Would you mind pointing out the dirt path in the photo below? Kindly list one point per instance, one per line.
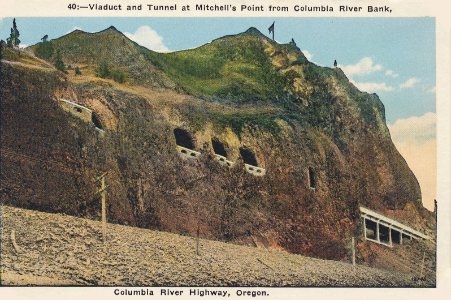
(51, 249)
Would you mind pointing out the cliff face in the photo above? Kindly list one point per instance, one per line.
(324, 144)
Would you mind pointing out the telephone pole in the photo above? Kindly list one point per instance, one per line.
(102, 191)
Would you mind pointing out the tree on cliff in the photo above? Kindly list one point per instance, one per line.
(103, 71)
(13, 40)
(59, 64)
(44, 50)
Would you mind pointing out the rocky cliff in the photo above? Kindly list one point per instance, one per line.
(322, 143)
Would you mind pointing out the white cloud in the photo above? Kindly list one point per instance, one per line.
(373, 87)
(409, 83)
(308, 55)
(149, 38)
(391, 73)
(365, 66)
(23, 46)
(73, 29)
(414, 128)
(415, 139)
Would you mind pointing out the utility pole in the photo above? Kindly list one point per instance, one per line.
(102, 191)
(197, 235)
(422, 265)
(353, 251)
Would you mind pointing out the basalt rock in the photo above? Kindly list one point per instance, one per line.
(324, 144)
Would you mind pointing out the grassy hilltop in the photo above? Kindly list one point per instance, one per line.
(243, 91)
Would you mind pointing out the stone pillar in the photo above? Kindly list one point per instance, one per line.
(400, 237)
(377, 232)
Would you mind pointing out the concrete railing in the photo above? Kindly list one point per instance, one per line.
(187, 153)
(257, 171)
(392, 227)
(79, 111)
(223, 160)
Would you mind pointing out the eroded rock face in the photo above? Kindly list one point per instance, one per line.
(325, 128)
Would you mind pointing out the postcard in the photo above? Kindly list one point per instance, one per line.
(185, 149)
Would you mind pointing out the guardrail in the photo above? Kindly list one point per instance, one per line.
(187, 153)
(391, 227)
(223, 160)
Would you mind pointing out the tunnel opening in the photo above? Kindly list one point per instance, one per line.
(248, 157)
(371, 229)
(384, 234)
(311, 178)
(405, 237)
(396, 237)
(218, 147)
(183, 138)
(96, 121)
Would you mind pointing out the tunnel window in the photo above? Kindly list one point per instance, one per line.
(183, 138)
(396, 236)
(371, 229)
(248, 156)
(96, 121)
(311, 178)
(384, 234)
(218, 147)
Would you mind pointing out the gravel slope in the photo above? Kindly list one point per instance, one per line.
(50, 249)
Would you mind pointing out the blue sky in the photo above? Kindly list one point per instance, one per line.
(406, 46)
(393, 57)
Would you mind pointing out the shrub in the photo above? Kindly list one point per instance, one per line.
(44, 50)
(118, 76)
(103, 71)
(59, 64)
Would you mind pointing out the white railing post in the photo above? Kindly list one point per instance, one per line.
(364, 227)
(389, 236)
(377, 232)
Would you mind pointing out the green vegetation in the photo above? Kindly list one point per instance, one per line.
(232, 68)
(263, 119)
(59, 64)
(118, 76)
(77, 71)
(247, 69)
(13, 40)
(103, 71)
(44, 50)
(111, 46)
(239, 120)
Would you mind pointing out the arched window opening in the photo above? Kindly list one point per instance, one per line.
(183, 138)
(311, 178)
(218, 147)
(96, 121)
(248, 156)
